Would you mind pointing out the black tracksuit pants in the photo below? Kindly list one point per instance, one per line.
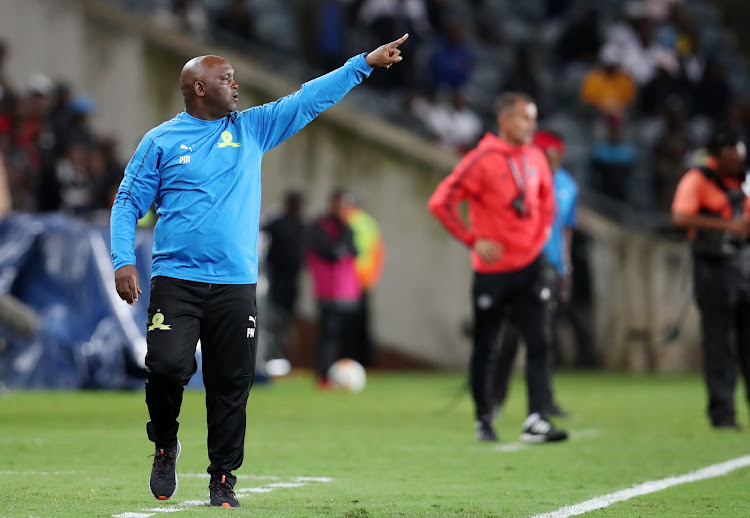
(223, 317)
(494, 295)
(723, 298)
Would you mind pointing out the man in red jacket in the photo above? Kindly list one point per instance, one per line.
(508, 186)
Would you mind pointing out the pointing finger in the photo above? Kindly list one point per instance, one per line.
(399, 41)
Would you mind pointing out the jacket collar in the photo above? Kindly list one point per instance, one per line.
(492, 142)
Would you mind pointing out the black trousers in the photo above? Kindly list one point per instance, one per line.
(333, 320)
(522, 295)
(505, 351)
(358, 342)
(723, 299)
(223, 317)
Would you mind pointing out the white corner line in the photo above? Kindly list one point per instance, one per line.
(652, 486)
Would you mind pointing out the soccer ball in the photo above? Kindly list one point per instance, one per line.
(347, 374)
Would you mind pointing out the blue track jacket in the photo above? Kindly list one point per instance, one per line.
(204, 178)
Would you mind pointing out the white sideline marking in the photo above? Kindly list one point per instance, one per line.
(286, 484)
(652, 486)
(255, 477)
(312, 479)
(253, 490)
(184, 506)
(518, 445)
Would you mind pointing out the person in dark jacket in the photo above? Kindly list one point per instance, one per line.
(284, 260)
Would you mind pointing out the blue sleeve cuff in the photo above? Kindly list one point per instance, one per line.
(360, 64)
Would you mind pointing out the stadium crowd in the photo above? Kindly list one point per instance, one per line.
(634, 88)
(50, 157)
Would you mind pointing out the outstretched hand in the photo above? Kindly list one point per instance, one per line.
(386, 55)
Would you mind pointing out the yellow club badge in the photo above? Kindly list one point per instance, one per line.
(227, 140)
(157, 322)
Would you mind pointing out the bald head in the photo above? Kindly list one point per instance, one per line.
(208, 86)
(196, 70)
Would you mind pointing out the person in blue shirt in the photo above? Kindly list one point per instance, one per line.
(201, 170)
(557, 283)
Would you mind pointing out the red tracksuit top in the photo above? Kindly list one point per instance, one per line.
(485, 179)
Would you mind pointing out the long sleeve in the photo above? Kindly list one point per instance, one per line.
(443, 204)
(279, 120)
(547, 198)
(134, 198)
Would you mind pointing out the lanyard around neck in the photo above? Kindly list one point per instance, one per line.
(518, 176)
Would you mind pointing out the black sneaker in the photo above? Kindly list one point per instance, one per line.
(556, 410)
(537, 429)
(222, 493)
(485, 432)
(727, 425)
(163, 481)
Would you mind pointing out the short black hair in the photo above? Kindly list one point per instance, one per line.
(721, 138)
(508, 100)
(292, 196)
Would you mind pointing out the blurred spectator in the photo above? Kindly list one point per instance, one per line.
(369, 265)
(579, 44)
(713, 95)
(556, 8)
(389, 19)
(22, 186)
(7, 103)
(60, 116)
(607, 87)
(323, 27)
(454, 125)
(78, 127)
(661, 87)
(437, 15)
(76, 188)
(105, 172)
(386, 20)
(284, 261)
(451, 60)
(634, 44)
(612, 162)
(184, 15)
(524, 75)
(331, 257)
(32, 121)
(671, 153)
(235, 22)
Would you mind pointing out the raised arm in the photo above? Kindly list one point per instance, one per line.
(275, 122)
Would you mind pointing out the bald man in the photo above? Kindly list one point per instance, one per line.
(202, 171)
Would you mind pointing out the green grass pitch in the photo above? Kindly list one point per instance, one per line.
(404, 447)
